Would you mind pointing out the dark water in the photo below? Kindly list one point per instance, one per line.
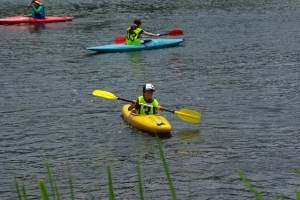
(238, 66)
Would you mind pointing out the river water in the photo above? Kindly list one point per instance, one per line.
(238, 66)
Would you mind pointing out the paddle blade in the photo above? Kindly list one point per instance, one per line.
(120, 40)
(175, 32)
(104, 94)
(188, 115)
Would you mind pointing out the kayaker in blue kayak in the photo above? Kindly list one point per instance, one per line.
(133, 34)
(147, 98)
(38, 10)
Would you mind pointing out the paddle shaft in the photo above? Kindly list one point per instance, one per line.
(25, 12)
(184, 114)
(171, 33)
(124, 100)
(118, 98)
(145, 105)
(138, 103)
(29, 6)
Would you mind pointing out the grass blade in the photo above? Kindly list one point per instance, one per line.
(256, 193)
(43, 190)
(297, 195)
(24, 190)
(110, 183)
(50, 178)
(91, 196)
(296, 191)
(166, 167)
(56, 189)
(70, 182)
(17, 187)
(140, 182)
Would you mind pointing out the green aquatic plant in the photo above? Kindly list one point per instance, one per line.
(51, 179)
(43, 190)
(276, 198)
(257, 194)
(70, 183)
(42, 187)
(110, 183)
(140, 182)
(296, 191)
(55, 192)
(17, 187)
(166, 167)
(24, 190)
(24, 194)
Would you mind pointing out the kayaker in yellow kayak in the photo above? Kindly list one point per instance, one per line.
(147, 98)
(134, 32)
(38, 10)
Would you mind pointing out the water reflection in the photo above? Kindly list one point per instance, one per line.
(189, 136)
(134, 59)
(37, 28)
(31, 28)
(162, 136)
(175, 64)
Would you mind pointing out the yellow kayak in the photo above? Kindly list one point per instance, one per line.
(149, 123)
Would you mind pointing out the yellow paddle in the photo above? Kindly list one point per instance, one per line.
(184, 114)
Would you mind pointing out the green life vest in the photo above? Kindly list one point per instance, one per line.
(144, 110)
(133, 39)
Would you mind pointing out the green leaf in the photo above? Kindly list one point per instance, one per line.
(110, 183)
(43, 190)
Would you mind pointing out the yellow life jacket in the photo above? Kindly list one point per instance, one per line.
(145, 110)
(133, 39)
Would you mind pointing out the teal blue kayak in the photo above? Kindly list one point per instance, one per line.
(149, 44)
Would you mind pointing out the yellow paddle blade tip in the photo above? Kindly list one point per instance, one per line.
(104, 94)
(189, 115)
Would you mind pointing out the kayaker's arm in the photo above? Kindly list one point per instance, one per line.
(151, 34)
(132, 105)
(159, 108)
(39, 10)
(136, 105)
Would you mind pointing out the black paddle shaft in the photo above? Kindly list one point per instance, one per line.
(124, 100)
(131, 102)
(169, 110)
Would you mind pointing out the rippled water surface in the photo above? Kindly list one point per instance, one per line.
(238, 66)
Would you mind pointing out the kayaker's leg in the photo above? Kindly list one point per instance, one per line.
(145, 41)
(133, 111)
